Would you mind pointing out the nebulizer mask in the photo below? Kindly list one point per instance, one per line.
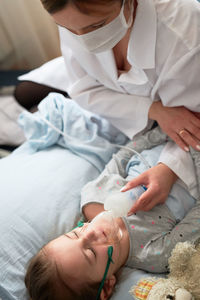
(103, 229)
(108, 36)
(106, 228)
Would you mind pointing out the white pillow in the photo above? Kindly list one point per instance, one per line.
(36, 205)
(10, 132)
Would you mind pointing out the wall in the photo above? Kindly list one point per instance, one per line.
(28, 35)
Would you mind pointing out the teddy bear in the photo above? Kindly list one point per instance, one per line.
(183, 281)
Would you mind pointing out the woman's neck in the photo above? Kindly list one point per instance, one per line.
(120, 50)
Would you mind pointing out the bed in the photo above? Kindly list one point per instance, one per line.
(40, 185)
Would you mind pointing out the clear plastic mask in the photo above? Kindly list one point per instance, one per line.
(106, 226)
(104, 229)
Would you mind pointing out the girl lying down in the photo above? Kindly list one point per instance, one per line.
(84, 263)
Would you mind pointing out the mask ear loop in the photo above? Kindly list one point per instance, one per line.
(110, 252)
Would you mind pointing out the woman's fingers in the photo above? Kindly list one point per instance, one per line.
(146, 200)
(179, 141)
(189, 139)
(139, 180)
(196, 119)
(141, 205)
(197, 114)
(184, 139)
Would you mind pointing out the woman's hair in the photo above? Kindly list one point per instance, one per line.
(43, 282)
(53, 6)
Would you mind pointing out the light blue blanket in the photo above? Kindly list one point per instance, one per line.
(86, 134)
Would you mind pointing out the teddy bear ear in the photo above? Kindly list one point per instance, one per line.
(143, 287)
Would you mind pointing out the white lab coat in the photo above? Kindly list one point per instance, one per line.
(164, 52)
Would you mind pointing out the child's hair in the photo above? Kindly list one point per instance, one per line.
(43, 282)
(53, 6)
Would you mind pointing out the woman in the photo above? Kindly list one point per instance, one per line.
(78, 18)
(134, 63)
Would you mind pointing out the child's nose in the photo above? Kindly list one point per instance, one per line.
(90, 235)
(94, 236)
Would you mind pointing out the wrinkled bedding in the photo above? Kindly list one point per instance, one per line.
(40, 185)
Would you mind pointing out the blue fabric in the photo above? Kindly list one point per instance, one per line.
(88, 135)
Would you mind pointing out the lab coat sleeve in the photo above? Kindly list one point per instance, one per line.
(180, 85)
(128, 113)
(181, 163)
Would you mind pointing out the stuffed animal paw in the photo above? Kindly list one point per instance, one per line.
(183, 282)
(159, 289)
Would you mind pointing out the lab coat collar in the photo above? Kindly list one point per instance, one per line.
(142, 43)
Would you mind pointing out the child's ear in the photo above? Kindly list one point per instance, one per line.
(108, 288)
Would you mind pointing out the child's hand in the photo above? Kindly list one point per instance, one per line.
(159, 181)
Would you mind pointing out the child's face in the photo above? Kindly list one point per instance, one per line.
(81, 255)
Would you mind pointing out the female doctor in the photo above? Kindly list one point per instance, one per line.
(135, 62)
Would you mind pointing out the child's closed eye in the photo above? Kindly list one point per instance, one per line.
(75, 233)
(93, 252)
(89, 248)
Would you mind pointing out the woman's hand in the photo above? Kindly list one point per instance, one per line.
(158, 180)
(179, 123)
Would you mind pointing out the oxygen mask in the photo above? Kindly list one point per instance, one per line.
(103, 229)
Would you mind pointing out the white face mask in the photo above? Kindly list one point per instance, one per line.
(108, 36)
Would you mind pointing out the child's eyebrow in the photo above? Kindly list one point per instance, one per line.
(87, 258)
(68, 236)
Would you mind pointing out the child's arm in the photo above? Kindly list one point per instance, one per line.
(159, 179)
(111, 179)
(186, 230)
(155, 194)
(113, 176)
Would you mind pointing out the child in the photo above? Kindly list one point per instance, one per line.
(73, 265)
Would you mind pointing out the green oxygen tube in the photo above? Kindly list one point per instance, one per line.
(110, 252)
